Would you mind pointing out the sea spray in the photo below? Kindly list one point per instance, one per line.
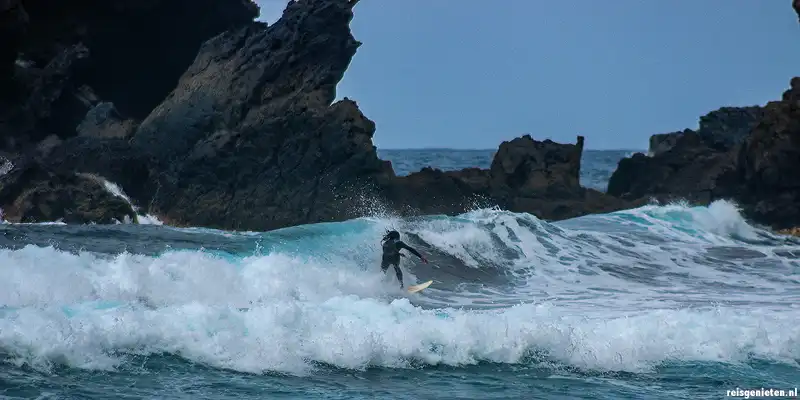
(508, 289)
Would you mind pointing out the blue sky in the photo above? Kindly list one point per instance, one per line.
(470, 74)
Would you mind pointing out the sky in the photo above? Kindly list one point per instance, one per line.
(469, 74)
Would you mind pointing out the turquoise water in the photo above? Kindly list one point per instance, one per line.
(657, 302)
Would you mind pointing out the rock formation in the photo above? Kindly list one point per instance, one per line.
(719, 130)
(768, 160)
(743, 154)
(60, 59)
(249, 136)
(66, 67)
(31, 193)
(747, 154)
(526, 175)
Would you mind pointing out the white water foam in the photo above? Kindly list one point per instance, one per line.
(286, 312)
(114, 189)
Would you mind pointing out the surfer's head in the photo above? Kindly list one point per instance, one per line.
(391, 235)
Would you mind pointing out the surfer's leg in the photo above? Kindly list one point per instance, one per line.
(399, 274)
(384, 266)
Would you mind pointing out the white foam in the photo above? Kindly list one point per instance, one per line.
(303, 310)
(114, 189)
(320, 298)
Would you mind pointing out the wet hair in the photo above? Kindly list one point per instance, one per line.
(391, 235)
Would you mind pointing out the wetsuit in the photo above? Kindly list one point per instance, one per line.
(391, 256)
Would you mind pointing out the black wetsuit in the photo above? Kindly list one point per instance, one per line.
(391, 256)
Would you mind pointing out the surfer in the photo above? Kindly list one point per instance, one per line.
(391, 253)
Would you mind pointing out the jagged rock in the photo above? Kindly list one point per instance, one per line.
(727, 127)
(60, 59)
(538, 177)
(663, 142)
(690, 170)
(720, 161)
(104, 121)
(113, 158)
(720, 130)
(524, 166)
(769, 161)
(13, 21)
(251, 139)
(543, 178)
(746, 154)
(433, 191)
(32, 193)
(53, 102)
(796, 6)
(139, 49)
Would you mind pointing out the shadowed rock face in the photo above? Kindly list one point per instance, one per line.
(538, 177)
(250, 138)
(67, 69)
(31, 193)
(138, 48)
(690, 170)
(747, 154)
(720, 130)
(796, 6)
(744, 154)
(60, 59)
(768, 163)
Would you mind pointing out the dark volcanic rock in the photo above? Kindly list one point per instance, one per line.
(541, 178)
(139, 49)
(58, 60)
(698, 166)
(729, 126)
(32, 193)
(663, 142)
(13, 21)
(743, 154)
(251, 138)
(53, 105)
(690, 170)
(769, 161)
(720, 130)
(104, 121)
(524, 166)
(796, 5)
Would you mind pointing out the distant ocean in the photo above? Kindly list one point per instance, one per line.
(659, 302)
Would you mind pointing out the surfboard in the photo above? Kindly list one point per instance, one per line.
(417, 288)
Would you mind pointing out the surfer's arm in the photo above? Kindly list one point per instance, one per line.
(402, 245)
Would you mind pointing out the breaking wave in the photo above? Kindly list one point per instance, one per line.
(625, 291)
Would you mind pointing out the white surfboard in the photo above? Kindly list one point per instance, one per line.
(417, 288)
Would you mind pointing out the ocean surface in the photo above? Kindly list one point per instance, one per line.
(660, 302)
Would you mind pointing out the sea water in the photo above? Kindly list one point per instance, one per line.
(659, 302)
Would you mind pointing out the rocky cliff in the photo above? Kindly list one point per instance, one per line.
(744, 154)
(747, 154)
(244, 133)
(767, 163)
(62, 58)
